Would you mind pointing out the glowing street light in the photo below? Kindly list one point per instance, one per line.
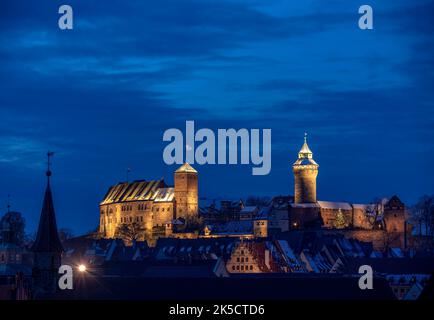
(82, 268)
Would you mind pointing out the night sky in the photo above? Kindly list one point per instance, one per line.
(100, 96)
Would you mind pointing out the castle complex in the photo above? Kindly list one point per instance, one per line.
(152, 205)
(154, 208)
(385, 219)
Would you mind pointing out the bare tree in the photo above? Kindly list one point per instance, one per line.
(129, 232)
(423, 213)
(13, 224)
(375, 212)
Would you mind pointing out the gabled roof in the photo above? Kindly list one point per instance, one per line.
(133, 191)
(47, 239)
(164, 195)
(186, 168)
(334, 205)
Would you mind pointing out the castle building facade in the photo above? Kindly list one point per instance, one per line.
(150, 205)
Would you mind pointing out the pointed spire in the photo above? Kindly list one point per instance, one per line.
(305, 151)
(305, 155)
(47, 238)
(186, 167)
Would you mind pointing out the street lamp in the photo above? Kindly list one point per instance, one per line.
(82, 268)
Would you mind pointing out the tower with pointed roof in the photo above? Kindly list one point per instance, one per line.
(305, 171)
(47, 247)
(186, 191)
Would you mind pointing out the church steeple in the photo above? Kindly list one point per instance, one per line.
(47, 238)
(47, 247)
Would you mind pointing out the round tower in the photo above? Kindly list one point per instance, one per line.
(305, 172)
(186, 191)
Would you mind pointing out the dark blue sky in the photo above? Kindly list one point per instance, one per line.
(101, 96)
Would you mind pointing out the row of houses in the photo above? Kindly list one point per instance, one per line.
(302, 254)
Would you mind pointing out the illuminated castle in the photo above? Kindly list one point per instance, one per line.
(151, 206)
(386, 216)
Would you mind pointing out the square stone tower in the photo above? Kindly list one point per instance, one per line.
(186, 192)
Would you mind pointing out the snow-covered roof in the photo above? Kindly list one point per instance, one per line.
(334, 205)
(249, 209)
(140, 190)
(164, 194)
(361, 206)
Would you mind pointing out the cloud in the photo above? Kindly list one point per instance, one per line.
(101, 95)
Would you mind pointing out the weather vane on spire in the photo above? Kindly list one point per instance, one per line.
(49, 155)
(305, 136)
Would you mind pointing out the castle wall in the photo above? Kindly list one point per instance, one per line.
(147, 214)
(331, 220)
(377, 237)
(300, 217)
(278, 219)
(360, 220)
